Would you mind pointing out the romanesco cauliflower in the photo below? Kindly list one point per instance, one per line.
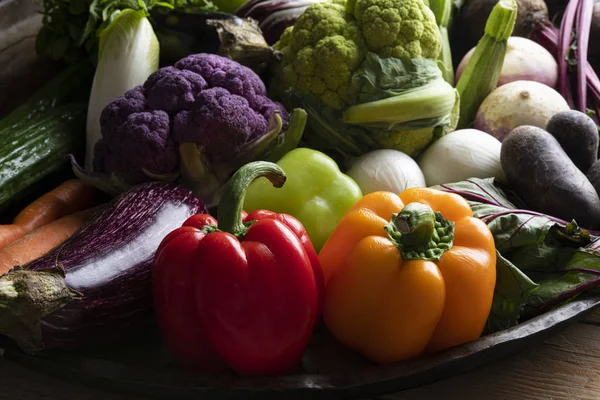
(330, 41)
(366, 72)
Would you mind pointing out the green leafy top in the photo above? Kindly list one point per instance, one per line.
(71, 28)
(542, 261)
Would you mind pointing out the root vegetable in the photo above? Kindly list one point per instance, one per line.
(540, 171)
(525, 60)
(518, 103)
(578, 136)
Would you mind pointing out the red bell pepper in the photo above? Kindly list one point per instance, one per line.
(244, 292)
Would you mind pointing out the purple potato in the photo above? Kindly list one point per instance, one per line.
(540, 171)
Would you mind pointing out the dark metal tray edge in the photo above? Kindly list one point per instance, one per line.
(367, 382)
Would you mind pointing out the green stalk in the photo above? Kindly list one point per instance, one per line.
(420, 233)
(291, 139)
(482, 72)
(442, 9)
(430, 101)
(232, 201)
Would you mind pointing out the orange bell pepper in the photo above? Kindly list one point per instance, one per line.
(407, 274)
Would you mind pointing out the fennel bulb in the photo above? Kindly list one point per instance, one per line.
(128, 53)
(460, 155)
(388, 170)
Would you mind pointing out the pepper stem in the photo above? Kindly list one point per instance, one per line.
(232, 201)
(420, 233)
(416, 223)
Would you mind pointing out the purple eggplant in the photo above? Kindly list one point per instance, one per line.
(96, 285)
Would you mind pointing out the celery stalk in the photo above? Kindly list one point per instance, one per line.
(442, 9)
(481, 74)
(431, 101)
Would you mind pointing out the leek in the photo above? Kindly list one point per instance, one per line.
(128, 53)
(482, 72)
(442, 9)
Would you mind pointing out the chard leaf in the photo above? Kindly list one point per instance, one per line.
(579, 275)
(512, 227)
(542, 261)
(511, 293)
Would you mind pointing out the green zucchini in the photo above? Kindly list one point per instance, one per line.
(71, 85)
(31, 153)
(37, 137)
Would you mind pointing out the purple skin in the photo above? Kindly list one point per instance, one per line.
(274, 16)
(204, 98)
(481, 123)
(109, 262)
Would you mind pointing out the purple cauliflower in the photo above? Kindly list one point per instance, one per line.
(209, 100)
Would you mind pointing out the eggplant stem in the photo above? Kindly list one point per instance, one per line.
(26, 296)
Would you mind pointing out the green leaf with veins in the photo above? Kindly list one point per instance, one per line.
(542, 261)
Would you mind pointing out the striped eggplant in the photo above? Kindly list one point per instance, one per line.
(96, 285)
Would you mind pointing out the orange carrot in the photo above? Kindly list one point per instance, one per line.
(10, 233)
(69, 197)
(42, 240)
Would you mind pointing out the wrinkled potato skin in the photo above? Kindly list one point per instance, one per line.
(540, 171)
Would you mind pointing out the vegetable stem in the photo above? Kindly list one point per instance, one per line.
(292, 136)
(550, 38)
(420, 233)
(483, 69)
(564, 47)
(26, 296)
(584, 22)
(416, 223)
(442, 9)
(232, 201)
(260, 146)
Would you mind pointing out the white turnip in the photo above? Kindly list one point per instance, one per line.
(525, 60)
(518, 103)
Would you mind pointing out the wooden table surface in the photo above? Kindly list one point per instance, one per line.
(564, 367)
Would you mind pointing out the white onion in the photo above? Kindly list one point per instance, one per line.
(460, 155)
(386, 170)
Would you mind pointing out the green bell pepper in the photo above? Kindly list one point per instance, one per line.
(316, 192)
